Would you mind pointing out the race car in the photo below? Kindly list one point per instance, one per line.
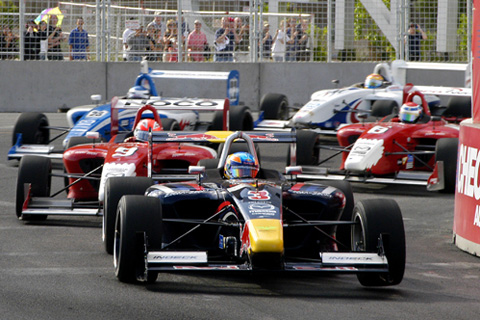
(380, 95)
(31, 133)
(412, 147)
(237, 216)
(88, 167)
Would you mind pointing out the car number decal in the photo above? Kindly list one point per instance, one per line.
(258, 195)
(124, 152)
(378, 130)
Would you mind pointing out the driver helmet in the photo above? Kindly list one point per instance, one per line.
(373, 81)
(241, 165)
(410, 112)
(138, 92)
(144, 126)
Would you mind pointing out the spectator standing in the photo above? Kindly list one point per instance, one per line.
(126, 33)
(301, 41)
(55, 39)
(152, 49)
(242, 40)
(290, 48)
(279, 43)
(137, 45)
(414, 35)
(267, 41)
(78, 42)
(43, 35)
(225, 40)
(170, 42)
(196, 42)
(159, 31)
(31, 41)
(8, 43)
(157, 24)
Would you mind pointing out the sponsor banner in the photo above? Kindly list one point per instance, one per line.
(466, 223)
(177, 257)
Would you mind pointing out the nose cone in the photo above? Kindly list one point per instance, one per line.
(364, 154)
(266, 236)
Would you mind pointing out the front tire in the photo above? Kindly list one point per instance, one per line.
(241, 119)
(115, 188)
(137, 217)
(374, 218)
(36, 171)
(274, 106)
(33, 127)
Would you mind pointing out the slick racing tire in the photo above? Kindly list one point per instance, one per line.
(36, 171)
(115, 188)
(241, 119)
(458, 106)
(375, 218)
(170, 124)
(138, 218)
(274, 106)
(33, 127)
(383, 108)
(446, 150)
(307, 151)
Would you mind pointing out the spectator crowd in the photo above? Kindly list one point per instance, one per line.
(161, 41)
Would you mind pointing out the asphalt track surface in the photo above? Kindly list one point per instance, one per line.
(58, 269)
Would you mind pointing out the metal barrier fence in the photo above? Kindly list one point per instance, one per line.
(240, 31)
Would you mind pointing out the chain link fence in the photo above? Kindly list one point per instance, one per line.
(237, 31)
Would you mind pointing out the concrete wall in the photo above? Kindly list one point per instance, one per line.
(46, 86)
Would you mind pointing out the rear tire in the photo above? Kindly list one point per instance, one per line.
(446, 150)
(307, 152)
(136, 216)
(32, 126)
(115, 188)
(375, 217)
(241, 119)
(274, 106)
(35, 170)
(170, 124)
(383, 108)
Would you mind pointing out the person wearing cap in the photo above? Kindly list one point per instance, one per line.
(225, 40)
(196, 42)
(414, 35)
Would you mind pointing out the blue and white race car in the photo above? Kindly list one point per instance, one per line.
(382, 93)
(31, 134)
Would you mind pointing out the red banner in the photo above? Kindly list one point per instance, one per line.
(466, 223)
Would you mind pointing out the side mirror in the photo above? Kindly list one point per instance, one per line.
(93, 135)
(293, 170)
(96, 98)
(196, 169)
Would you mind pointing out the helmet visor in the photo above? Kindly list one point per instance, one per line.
(243, 171)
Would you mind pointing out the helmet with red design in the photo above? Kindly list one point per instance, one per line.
(241, 165)
(144, 126)
(410, 112)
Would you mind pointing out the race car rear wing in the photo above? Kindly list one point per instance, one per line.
(198, 105)
(232, 79)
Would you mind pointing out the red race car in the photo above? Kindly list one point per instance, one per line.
(412, 147)
(88, 168)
